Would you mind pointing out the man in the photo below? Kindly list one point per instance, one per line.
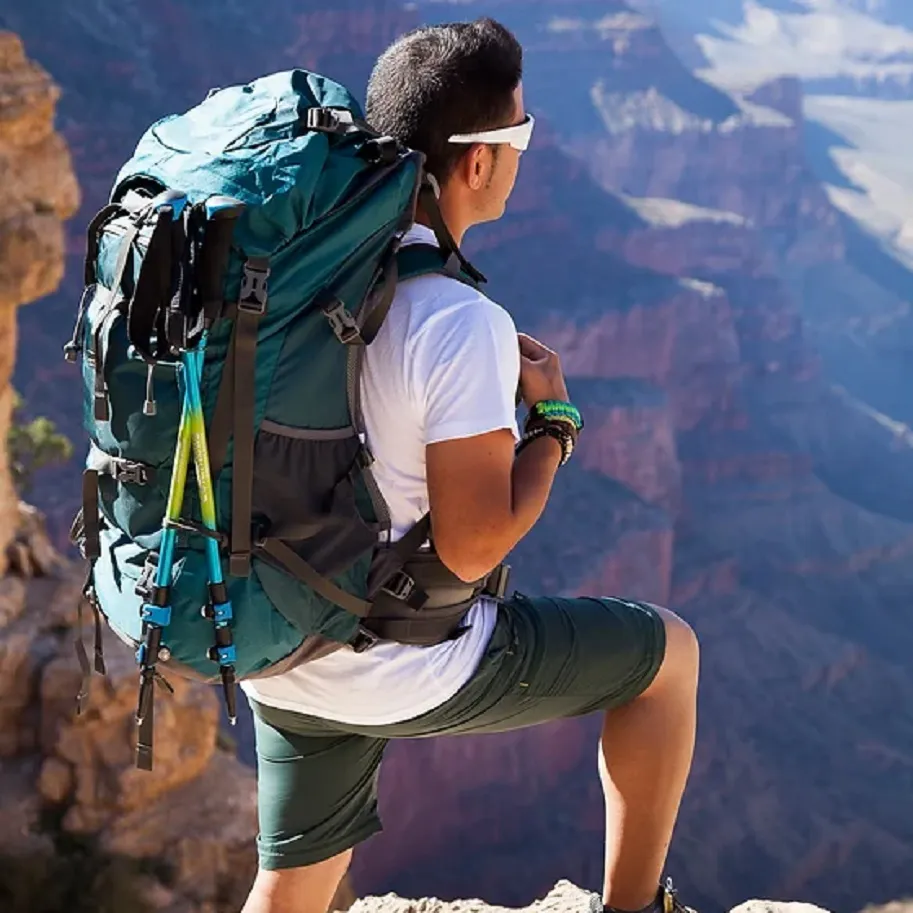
(439, 391)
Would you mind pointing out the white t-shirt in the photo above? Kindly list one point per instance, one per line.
(444, 365)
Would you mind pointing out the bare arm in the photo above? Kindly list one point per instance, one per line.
(483, 500)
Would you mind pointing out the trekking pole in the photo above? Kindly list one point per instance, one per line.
(219, 608)
(156, 614)
(221, 213)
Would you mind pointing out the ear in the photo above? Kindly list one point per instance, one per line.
(478, 178)
(475, 166)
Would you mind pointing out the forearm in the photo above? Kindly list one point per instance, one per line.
(533, 473)
(532, 476)
(478, 538)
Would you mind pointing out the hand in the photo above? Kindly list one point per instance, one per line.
(540, 373)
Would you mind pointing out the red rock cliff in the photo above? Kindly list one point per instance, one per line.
(39, 192)
(78, 823)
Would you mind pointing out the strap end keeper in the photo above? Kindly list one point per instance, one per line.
(144, 757)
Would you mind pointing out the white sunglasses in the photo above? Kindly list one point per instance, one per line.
(517, 136)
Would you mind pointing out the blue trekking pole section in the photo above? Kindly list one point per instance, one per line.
(219, 608)
(156, 614)
(191, 440)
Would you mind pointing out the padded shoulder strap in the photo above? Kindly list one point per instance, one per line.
(423, 259)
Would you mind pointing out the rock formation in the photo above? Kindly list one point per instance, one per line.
(39, 192)
(82, 828)
(79, 824)
(564, 898)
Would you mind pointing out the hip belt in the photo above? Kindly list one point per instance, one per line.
(424, 603)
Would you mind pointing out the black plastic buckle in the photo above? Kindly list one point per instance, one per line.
(364, 459)
(254, 290)
(363, 640)
(342, 323)
(322, 119)
(329, 120)
(399, 586)
(496, 584)
(131, 473)
(145, 584)
(176, 331)
(381, 151)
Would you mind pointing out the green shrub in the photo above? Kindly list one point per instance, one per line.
(32, 446)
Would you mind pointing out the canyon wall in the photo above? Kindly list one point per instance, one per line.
(39, 192)
(670, 241)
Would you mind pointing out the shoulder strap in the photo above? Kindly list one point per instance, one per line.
(407, 263)
(424, 259)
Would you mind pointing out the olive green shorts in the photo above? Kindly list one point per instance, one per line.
(548, 659)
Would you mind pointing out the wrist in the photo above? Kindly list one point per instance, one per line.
(560, 432)
(555, 410)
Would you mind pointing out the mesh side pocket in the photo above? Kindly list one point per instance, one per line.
(305, 494)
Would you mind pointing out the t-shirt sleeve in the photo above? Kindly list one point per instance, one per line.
(465, 371)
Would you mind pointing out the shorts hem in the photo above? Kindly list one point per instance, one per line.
(273, 861)
(640, 683)
(641, 678)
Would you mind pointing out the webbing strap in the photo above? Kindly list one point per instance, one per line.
(299, 568)
(429, 204)
(153, 292)
(93, 240)
(118, 468)
(251, 307)
(211, 267)
(178, 301)
(144, 733)
(220, 428)
(412, 540)
(389, 560)
(81, 655)
(423, 631)
(91, 546)
(101, 411)
(375, 319)
(88, 593)
(99, 644)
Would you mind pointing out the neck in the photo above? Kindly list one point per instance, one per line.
(457, 224)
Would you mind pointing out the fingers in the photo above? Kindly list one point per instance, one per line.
(532, 348)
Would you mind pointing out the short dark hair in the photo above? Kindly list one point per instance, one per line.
(439, 80)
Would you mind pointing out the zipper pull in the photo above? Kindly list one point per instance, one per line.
(149, 406)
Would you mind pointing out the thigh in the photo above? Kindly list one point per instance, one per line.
(316, 793)
(550, 658)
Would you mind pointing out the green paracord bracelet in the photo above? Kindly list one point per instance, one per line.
(555, 409)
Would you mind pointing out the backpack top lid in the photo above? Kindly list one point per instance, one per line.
(273, 144)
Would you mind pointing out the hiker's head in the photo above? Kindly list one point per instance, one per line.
(442, 89)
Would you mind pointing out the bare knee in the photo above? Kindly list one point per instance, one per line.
(307, 889)
(681, 662)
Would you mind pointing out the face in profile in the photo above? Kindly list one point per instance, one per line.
(488, 171)
(504, 167)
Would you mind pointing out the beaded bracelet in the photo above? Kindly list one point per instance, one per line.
(559, 430)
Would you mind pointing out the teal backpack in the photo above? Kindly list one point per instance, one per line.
(230, 521)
